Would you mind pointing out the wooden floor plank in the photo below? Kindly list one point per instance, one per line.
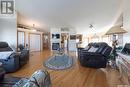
(77, 76)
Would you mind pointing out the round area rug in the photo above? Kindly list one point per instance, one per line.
(59, 62)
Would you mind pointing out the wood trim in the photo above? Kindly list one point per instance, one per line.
(17, 41)
(29, 41)
(24, 38)
(17, 37)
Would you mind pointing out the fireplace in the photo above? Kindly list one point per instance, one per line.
(55, 46)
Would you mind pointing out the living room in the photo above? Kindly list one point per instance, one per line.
(64, 43)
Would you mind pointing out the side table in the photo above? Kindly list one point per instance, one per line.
(123, 63)
(2, 72)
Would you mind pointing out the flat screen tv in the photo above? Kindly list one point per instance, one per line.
(126, 49)
(72, 37)
(56, 36)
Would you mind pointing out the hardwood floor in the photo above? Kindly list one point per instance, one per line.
(77, 76)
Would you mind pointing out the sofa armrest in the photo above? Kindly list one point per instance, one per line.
(80, 48)
(93, 60)
(97, 57)
(11, 64)
(94, 55)
(84, 52)
(14, 55)
(90, 55)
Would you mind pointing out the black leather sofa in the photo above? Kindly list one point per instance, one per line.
(94, 55)
(11, 64)
(24, 55)
(15, 60)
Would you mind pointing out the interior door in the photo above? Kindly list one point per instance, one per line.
(35, 43)
(21, 38)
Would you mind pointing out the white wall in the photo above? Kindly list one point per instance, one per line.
(8, 31)
(126, 21)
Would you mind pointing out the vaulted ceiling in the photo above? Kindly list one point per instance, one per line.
(78, 14)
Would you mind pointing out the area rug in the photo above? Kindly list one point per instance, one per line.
(59, 62)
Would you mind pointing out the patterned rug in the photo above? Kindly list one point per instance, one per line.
(59, 62)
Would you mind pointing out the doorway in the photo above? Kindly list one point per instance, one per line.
(46, 41)
(35, 42)
(65, 41)
(21, 38)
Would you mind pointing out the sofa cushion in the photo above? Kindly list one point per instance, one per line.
(5, 55)
(93, 49)
(3, 45)
(5, 49)
(106, 52)
(87, 48)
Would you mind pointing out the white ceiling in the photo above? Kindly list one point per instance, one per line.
(69, 13)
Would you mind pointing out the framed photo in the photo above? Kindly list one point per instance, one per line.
(72, 37)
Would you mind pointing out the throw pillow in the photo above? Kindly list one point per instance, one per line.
(87, 48)
(93, 49)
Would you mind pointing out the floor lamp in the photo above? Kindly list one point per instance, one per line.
(114, 31)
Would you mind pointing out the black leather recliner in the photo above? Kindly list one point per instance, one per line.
(15, 60)
(11, 63)
(94, 55)
(24, 55)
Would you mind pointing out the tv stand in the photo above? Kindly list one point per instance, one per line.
(123, 63)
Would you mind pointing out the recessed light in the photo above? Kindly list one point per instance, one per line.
(34, 30)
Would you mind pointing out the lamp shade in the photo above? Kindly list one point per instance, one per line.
(116, 30)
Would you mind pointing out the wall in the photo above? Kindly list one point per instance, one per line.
(96, 37)
(53, 40)
(126, 21)
(70, 31)
(8, 31)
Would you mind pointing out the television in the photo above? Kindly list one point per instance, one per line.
(126, 49)
(56, 36)
(72, 37)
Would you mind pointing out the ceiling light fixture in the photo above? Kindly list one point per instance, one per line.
(116, 30)
(33, 29)
(91, 26)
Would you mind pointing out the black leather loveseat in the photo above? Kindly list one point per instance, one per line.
(94, 55)
(14, 60)
(23, 55)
